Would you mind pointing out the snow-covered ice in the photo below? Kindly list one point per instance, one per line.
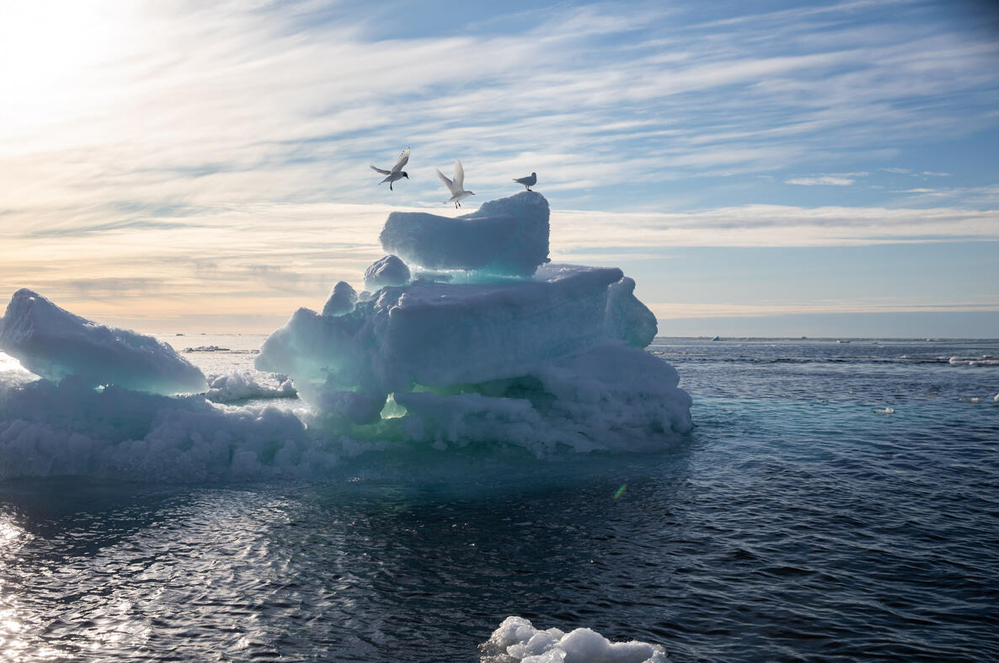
(544, 359)
(517, 640)
(506, 236)
(386, 271)
(341, 300)
(53, 343)
(243, 386)
(553, 356)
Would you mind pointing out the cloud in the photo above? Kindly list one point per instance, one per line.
(222, 149)
(233, 105)
(824, 180)
(685, 310)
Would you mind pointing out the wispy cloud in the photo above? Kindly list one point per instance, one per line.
(822, 180)
(222, 149)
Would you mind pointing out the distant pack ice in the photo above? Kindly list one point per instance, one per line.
(507, 236)
(53, 343)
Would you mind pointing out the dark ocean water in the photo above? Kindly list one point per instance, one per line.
(795, 523)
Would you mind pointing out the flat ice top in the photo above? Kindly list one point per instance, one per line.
(506, 236)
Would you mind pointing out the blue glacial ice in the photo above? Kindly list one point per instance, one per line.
(53, 343)
(506, 236)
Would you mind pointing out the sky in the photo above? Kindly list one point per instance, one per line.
(765, 168)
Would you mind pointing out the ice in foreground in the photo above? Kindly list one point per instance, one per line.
(54, 343)
(516, 640)
(550, 357)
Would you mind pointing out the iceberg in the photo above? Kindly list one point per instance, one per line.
(520, 351)
(55, 344)
(507, 236)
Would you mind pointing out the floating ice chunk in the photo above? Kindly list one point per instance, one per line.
(54, 343)
(884, 410)
(386, 271)
(342, 300)
(507, 236)
(537, 362)
(68, 428)
(243, 386)
(516, 639)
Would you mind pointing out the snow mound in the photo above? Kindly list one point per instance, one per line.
(233, 387)
(507, 236)
(54, 344)
(517, 640)
(386, 271)
(341, 300)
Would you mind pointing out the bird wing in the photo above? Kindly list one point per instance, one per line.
(380, 170)
(448, 183)
(403, 160)
(459, 176)
(521, 180)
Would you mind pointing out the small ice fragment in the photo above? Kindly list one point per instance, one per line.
(884, 410)
(386, 271)
(516, 639)
(341, 301)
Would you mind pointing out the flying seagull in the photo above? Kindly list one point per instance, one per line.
(397, 173)
(456, 187)
(528, 181)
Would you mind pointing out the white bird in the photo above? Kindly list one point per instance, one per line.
(397, 173)
(457, 186)
(528, 181)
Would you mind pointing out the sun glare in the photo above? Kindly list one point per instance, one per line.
(50, 53)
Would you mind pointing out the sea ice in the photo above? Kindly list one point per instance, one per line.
(341, 300)
(243, 386)
(516, 640)
(541, 360)
(388, 270)
(507, 236)
(54, 343)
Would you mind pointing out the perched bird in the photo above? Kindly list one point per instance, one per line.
(456, 187)
(397, 173)
(528, 181)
